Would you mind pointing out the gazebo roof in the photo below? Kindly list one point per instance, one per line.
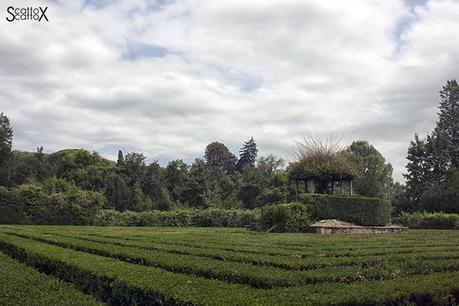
(331, 167)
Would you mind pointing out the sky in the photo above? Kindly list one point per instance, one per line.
(166, 78)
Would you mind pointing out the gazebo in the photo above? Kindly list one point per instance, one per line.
(322, 173)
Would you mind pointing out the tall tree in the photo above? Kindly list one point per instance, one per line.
(177, 177)
(247, 155)
(418, 170)
(218, 156)
(375, 175)
(447, 128)
(154, 187)
(135, 167)
(6, 138)
(120, 161)
(430, 160)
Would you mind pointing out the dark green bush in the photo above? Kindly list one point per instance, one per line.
(291, 217)
(355, 209)
(428, 220)
(32, 204)
(11, 207)
(211, 217)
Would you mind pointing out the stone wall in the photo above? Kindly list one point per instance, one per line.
(358, 229)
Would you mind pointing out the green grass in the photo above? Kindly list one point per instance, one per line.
(210, 266)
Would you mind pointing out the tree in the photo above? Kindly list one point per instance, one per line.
(218, 156)
(153, 186)
(117, 192)
(135, 167)
(120, 161)
(431, 159)
(6, 139)
(177, 177)
(399, 199)
(443, 196)
(374, 174)
(447, 127)
(247, 155)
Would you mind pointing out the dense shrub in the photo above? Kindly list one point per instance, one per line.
(292, 217)
(438, 220)
(58, 202)
(211, 217)
(359, 210)
(11, 207)
(444, 196)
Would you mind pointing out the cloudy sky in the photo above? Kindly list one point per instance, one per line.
(168, 77)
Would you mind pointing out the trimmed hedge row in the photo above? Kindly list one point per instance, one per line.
(292, 217)
(22, 285)
(300, 262)
(121, 283)
(211, 217)
(244, 273)
(355, 209)
(118, 282)
(428, 220)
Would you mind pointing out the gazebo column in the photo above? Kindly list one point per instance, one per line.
(350, 187)
(332, 187)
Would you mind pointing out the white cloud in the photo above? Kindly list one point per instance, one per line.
(168, 78)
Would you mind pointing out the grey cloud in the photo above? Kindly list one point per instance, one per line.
(166, 79)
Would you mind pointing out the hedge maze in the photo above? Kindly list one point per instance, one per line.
(217, 266)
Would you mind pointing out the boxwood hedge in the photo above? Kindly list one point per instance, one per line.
(355, 209)
(291, 217)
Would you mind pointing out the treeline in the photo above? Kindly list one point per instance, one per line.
(68, 183)
(219, 179)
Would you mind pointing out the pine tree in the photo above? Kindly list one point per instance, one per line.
(247, 155)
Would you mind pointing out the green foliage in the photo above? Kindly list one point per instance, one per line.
(57, 202)
(247, 155)
(6, 139)
(430, 159)
(399, 199)
(11, 207)
(23, 285)
(178, 266)
(436, 220)
(444, 196)
(212, 217)
(374, 177)
(334, 166)
(291, 217)
(355, 209)
(218, 156)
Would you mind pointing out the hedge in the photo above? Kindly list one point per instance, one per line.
(117, 283)
(355, 209)
(22, 285)
(292, 217)
(212, 217)
(438, 220)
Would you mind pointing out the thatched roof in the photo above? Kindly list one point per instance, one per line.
(332, 166)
